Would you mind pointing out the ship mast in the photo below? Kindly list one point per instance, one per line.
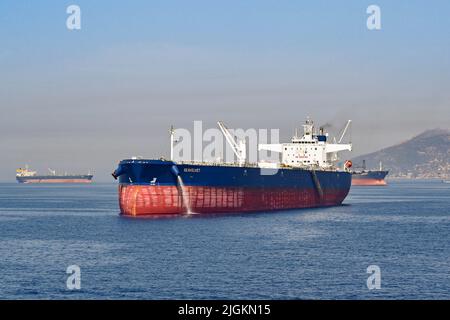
(172, 133)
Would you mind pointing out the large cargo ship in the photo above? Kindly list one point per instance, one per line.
(369, 177)
(24, 175)
(305, 177)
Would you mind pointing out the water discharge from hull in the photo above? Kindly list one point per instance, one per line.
(184, 195)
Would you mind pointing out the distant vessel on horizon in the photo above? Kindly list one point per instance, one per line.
(24, 175)
(369, 177)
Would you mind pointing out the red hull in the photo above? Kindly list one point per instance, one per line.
(139, 200)
(57, 181)
(368, 182)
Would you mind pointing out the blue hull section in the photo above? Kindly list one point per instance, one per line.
(164, 173)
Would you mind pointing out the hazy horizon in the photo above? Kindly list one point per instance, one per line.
(84, 99)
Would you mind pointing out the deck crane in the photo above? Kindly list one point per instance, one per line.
(237, 145)
(345, 131)
(334, 148)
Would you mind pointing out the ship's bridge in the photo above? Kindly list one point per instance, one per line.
(310, 149)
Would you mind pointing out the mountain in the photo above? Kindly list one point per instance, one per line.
(424, 156)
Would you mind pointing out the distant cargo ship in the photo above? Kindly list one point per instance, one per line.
(369, 177)
(24, 175)
(306, 177)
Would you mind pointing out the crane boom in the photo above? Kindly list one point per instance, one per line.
(345, 130)
(238, 148)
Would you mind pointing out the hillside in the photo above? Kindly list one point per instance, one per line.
(424, 156)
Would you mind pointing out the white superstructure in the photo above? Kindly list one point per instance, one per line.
(311, 149)
(21, 172)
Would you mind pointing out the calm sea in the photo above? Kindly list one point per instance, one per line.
(403, 228)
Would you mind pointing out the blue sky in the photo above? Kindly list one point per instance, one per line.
(78, 100)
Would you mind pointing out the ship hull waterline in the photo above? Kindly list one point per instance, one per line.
(151, 187)
(55, 179)
(369, 182)
(36, 181)
(369, 178)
